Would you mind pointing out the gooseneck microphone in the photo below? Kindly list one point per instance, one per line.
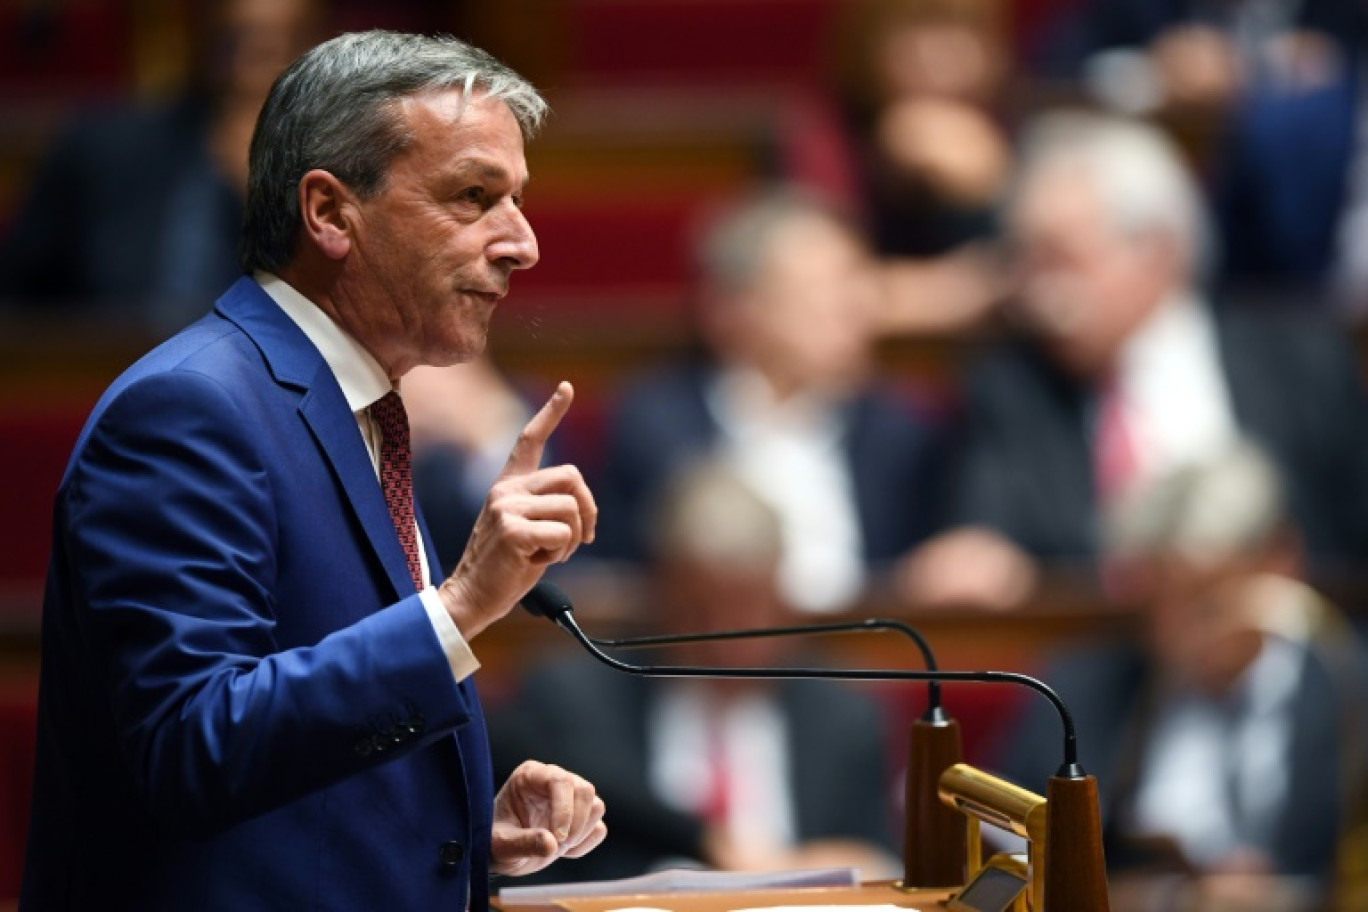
(1072, 875)
(548, 600)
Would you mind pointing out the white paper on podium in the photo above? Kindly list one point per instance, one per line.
(682, 880)
(881, 907)
(826, 908)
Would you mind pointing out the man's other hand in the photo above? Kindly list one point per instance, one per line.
(543, 813)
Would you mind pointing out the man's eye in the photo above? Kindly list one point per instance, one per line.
(474, 195)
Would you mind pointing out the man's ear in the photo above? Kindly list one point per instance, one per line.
(326, 214)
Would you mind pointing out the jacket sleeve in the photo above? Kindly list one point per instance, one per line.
(167, 524)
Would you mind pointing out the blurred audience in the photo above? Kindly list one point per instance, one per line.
(915, 143)
(734, 774)
(135, 212)
(1227, 738)
(1139, 56)
(788, 391)
(1266, 96)
(1125, 370)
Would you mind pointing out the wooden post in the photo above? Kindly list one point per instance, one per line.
(1075, 867)
(934, 845)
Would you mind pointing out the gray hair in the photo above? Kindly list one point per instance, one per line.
(1229, 504)
(335, 109)
(1139, 175)
(737, 239)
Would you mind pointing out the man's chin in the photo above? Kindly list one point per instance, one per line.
(454, 351)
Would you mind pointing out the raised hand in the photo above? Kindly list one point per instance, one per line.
(532, 517)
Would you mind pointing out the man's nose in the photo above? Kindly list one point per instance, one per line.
(515, 244)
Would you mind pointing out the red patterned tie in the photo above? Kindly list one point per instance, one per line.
(396, 476)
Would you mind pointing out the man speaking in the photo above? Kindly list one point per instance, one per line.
(253, 695)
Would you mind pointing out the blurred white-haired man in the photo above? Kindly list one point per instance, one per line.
(1125, 370)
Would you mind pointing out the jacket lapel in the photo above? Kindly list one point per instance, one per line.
(295, 363)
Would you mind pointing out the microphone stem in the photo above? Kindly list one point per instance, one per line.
(866, 625)
(567, 621)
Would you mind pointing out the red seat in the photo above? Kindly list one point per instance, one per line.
(699, 42)
(18, 726)
(35, 442)
(608, 256)
(58, 49)
(982, 711)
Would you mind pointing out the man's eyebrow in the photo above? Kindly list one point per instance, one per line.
(475, 169)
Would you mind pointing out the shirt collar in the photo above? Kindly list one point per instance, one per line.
(741, 396)
(1179, 318)
(361, 377)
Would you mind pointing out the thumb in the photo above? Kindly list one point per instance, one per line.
(509, 845)
(527, 452)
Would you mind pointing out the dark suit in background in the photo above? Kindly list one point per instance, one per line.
(663, 422)
(1107, 689)
(128, 217)
(1024, 464)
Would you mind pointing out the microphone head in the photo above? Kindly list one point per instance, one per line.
(547, 600)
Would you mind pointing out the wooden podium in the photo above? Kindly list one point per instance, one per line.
(1063, 869)
(878, 893)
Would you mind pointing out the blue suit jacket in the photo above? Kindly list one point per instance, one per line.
(243, 703)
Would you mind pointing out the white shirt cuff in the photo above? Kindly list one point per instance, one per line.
(462, 660)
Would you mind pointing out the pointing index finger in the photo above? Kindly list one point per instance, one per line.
(527, 452)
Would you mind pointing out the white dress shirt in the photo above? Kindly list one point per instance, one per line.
(792, 452)
(1173, 389)
(1215, 772)
(753, 743)
(363, 383)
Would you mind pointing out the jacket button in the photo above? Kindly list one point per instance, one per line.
(450, 854)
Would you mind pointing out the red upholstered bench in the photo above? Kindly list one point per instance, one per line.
(712, 42)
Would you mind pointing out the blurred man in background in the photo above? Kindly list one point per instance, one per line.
(736, 774)
(1228, 737)
(1126, 370)
(135, 212)
(788, 392)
